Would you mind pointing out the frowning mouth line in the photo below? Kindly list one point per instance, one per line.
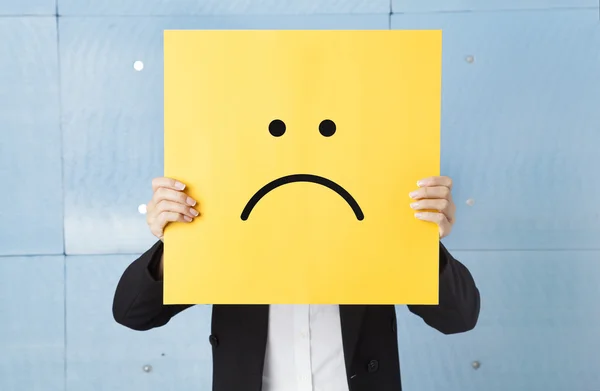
(302, 178)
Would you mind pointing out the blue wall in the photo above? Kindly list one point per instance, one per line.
(81, 138)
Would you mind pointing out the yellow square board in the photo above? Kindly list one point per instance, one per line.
(301, 148)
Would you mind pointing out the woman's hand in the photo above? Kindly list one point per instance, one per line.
(168, 204)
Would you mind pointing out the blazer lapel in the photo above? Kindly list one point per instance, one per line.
(351, 318)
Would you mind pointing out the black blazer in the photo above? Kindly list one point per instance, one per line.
(239, 332)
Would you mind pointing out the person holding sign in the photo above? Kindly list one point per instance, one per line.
(288, 157)
(300, 347)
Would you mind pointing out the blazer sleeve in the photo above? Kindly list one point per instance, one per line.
(459, 302)
(138, 301)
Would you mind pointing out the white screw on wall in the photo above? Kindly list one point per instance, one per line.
(470, 202)
(142, 209)
(470, 59)
(147, 368)
(138, 65)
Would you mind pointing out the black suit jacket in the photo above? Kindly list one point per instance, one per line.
(239, 332)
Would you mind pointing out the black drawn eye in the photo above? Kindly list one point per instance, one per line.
(277, 128)
(327, 128)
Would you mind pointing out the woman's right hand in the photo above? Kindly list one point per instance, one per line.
(168, 204)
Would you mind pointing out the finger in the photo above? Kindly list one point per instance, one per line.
(444, 206)
(169, 183)
(433, 217)
(164, 193)
(158, 224)
(440, 192)
(435, 181)
(172, 206)
(438, 218)
(165, 218)
(440, 205)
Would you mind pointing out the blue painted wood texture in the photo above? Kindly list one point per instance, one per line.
(220, 7)
(402, 6)
(31, 201)
(102, 355)
(520, 126)
(32, 326)
(538, 329)
(28, 7)
(113, 121)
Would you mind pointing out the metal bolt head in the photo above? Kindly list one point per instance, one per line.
(147, 368)
(475, 364)
(470, 202)
(470, 59)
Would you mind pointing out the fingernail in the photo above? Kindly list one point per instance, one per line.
(420, 183)
(194, 212)
(190, 201)
(179, 186)
(187, 218)
(419, 215)
(413, 194)
(414, 205)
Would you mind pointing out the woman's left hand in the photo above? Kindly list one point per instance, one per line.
(435, 195)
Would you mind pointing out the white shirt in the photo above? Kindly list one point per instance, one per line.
(304, 349)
